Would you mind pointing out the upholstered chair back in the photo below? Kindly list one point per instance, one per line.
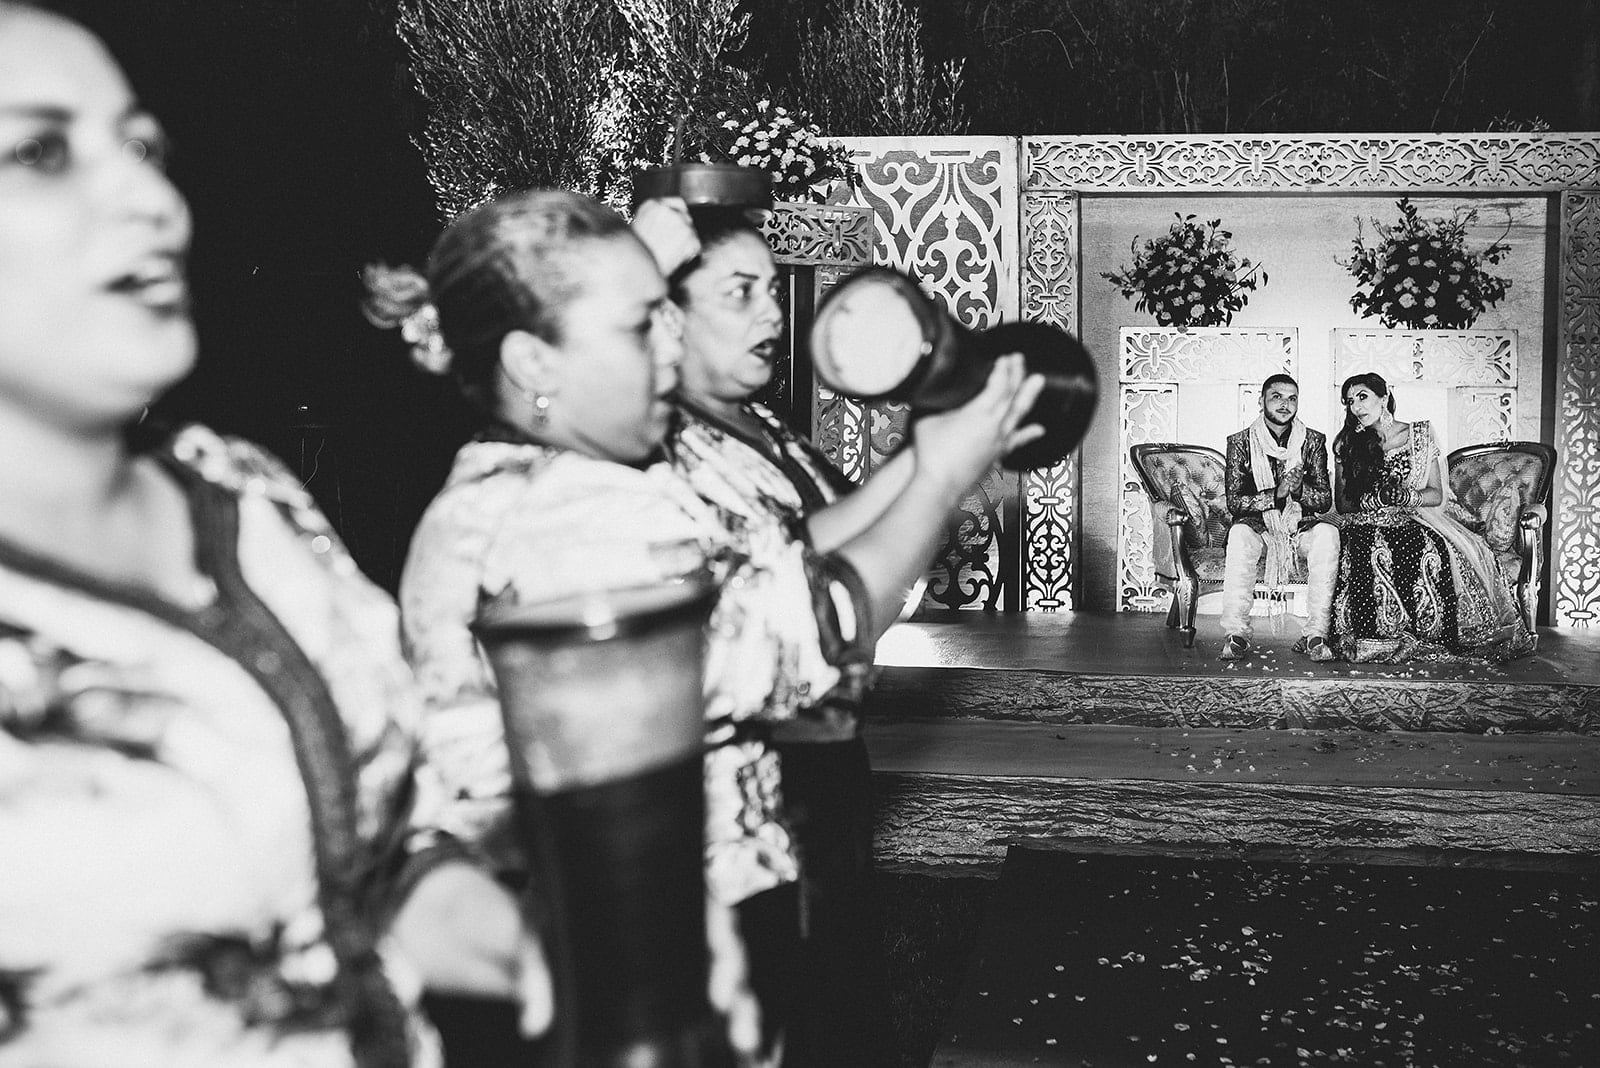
(1192, 479)
(1478, 474)
(1499, 491)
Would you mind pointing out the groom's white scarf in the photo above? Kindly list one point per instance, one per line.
(1282, 523)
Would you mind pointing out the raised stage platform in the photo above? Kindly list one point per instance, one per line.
(1101, 731)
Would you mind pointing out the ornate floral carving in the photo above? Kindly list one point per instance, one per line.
(1575, 554)
(1050, 495)
(1049, 549)
(842, 432)
(816, 235)
(1479, 416)
(1478, 366)
(967, 574)
(1205, 354)
(946, 213)
(1050, 259)
(1379, 162)
(1441, 357)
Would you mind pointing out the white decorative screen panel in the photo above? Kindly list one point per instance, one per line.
(946, 213)
(1146, 411)
(1478, 367)
(1575, 512)
(1205, 354)
(1156, 364)
(1050, 252)
(1308, 162)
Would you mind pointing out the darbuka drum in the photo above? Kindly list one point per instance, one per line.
(877, 335)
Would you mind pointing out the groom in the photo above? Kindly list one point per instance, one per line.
(1277, 483)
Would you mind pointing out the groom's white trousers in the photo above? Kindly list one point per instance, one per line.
(1319, 546)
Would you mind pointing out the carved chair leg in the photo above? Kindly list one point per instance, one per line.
(1528, 604)
(1186, 602)
(1174, 619)
(1527, 589)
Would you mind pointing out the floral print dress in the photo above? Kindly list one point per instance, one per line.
(208, 809)
(773, 483)
(518, 522)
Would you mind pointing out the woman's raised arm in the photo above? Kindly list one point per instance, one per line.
(952, 451)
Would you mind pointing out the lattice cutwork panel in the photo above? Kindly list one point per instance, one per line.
(1050, 249)
(1147, 412)
(1442, 357)
(1050, 502)
(967, 573)
(841, 432)
(945, 212)
(816, 235)
(1480, 416)
(836, 421)
(1314, 162)
(1205, 354)
(1575, 533)
(833, 239)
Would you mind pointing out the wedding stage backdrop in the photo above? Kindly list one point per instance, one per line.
(1004, 227)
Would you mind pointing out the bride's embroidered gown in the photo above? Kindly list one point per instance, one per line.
(1415, 583)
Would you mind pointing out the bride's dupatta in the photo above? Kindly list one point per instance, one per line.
(1489, 620)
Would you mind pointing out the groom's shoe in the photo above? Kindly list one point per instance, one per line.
(1235, 646)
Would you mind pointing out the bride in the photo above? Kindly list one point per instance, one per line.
(1413, 582)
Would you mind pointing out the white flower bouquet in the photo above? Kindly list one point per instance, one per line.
(1418, 274)
(786, 144)
(1189, 276)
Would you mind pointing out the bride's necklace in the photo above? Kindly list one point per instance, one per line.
(1388, 438)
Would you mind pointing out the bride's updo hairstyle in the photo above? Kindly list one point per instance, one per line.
(502, 266)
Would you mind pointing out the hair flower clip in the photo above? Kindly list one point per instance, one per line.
(421, 330)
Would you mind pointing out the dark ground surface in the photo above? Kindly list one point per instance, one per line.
(931, 927)
(1130, 960)
(1111, 960)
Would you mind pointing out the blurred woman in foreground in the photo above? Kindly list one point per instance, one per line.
(220, 847)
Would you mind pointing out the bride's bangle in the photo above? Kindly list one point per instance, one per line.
(1413, 499)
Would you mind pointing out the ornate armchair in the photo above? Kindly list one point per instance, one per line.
(1499, 491)
(1189, 522)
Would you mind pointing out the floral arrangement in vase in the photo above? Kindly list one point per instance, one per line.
(1189, 276)
(1418, 274)
(785, 144)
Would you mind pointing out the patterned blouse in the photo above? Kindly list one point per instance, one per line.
(774, 483)
(207, 809)
(518, 522)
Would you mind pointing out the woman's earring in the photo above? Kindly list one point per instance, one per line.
(541, 407)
